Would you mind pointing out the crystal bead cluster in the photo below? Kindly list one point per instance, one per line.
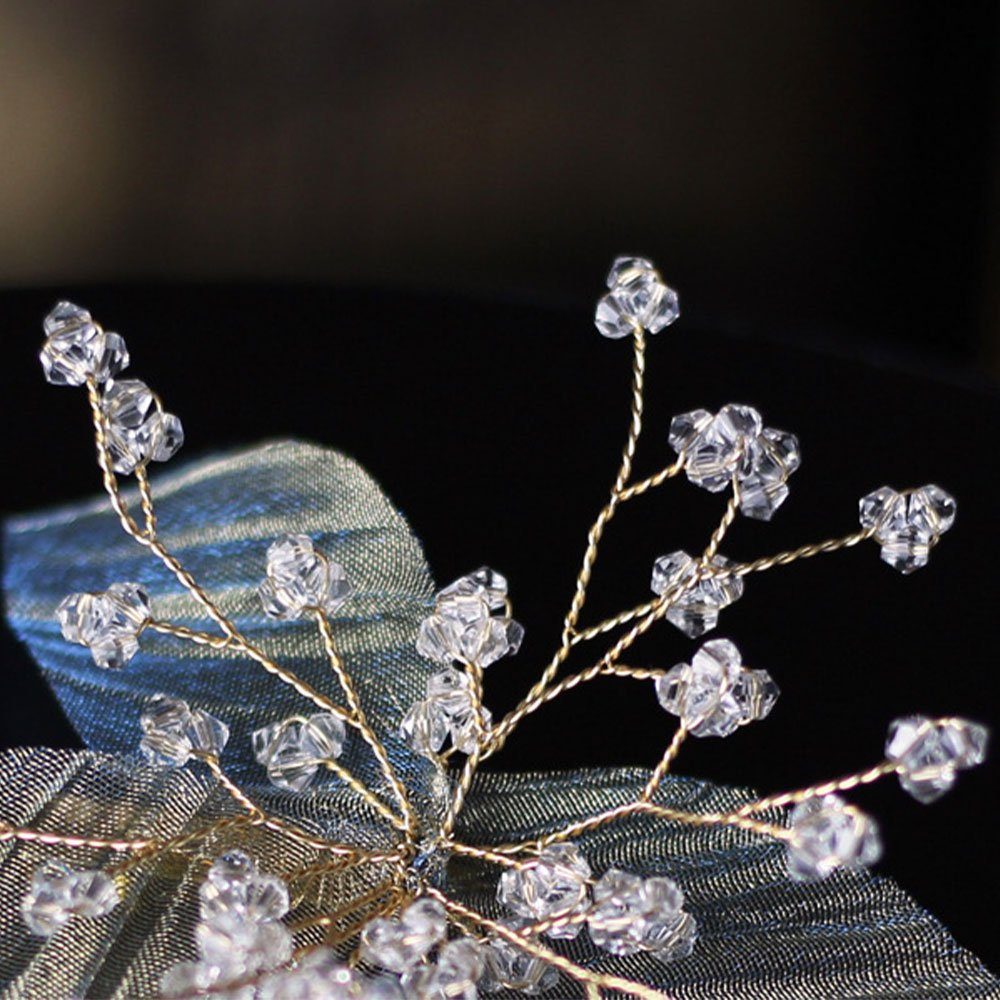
(555, 884)
(172, 732)
(638, 298)
(699, 599)
(632, 914)
(465, 626)
(928, 752)
(830, 834)
(733, 445)
(508, 967)
(446, 711)
(294, 750)
(107, 623)
(907, 524)
(59, 892)
(321, 975)
(715, 694)
(239, 932)
(301, 579)
(77, 349)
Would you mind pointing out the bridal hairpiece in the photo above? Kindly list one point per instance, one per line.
(375, 906)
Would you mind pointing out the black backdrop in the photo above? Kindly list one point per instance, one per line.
(496, 427)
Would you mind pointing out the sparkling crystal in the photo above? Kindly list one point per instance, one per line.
(632, 914)
(907, 524)
(463, 627)
(830, 834)
(401, 943)
(299, 579)
(77, 349)
(715, 693)
(714, 447)
(318, 975)
(424, 728)
(696, 609)
(294, 750)
(508, 967)
(137, 428)
(456, 972)
(59, 892)
(638, 298)
(234, 887)
(554, 884)
(229, 940)
(186, 978)
(929, 752)
(624, 268)
(686, 427)
(763, 477)
(108, 623)
(172, 731)
(611, 319)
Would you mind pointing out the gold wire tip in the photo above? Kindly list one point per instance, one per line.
(399, 923)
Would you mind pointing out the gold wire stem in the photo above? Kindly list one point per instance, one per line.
(146, 501)
(334, 867)
(844, 784)
(211, 761)
(361, 721)
(557, 961)
(483, 854)
(369, 796)
(664, 766)
(651, 482)
(717, 819)
(791, 555)
(176, 844)
(190, 634)
(10, 832)
(392, 903)
(622, 618)
(728, 516)
(597, 529)
(350, 907)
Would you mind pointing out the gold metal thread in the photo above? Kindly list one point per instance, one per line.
(664, 766)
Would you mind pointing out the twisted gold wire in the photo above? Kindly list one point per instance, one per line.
(664, 766)
(146, 501)
(10, 832)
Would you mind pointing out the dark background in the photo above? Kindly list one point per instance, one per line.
(382, 226)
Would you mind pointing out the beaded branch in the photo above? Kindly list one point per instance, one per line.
(400, 934)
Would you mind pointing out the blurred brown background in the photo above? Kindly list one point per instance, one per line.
(815, 169)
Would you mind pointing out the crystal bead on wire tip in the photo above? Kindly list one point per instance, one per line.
(138, 430)
(907, 524)
(107, 623)
(401, 943)
(58, 893)
(77, 349)
(638, 299)
(695, 608)
(301, 579)
(294, 750)
(173, 732)
(715, 694)
(829, 834)
(447, 710)
(509, 967)
(929, 752)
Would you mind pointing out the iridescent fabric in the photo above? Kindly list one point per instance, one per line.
(761, 936)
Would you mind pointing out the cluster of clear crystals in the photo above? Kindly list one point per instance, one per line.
(928, 752)
(172, 731)
(454, 975)
(715, 694)
(59, 892)
(638, 298)
(401, 943)
(301, 579)
(695, 610)
(295, 749)
(107, 623)
(508, 967)
(77, 349)
(830, 834)
(446, 711)
(555, 884)
(138, 429)
(321, 975)
(240, 931)
(734, 443)
(632, 914)
(464, 627)
(907, 524)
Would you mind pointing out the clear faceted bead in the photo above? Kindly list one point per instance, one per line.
(484, 582)
(400, 944)
(134, 424)
(625, 268)
(767, 463)
(714, 448)
(77, 349)
(632, 914)
(235, 888)
(695, 609)
(456, 973)
(715, 693)
(424, 728)
(184, 979)
(611, 318)
(58, 893)
(908, 524)
(929, 752)
(830, 834)
(168, 438)
(554, 884)
(508, 967)
(107, 623)
(172, 731)
(228, 940)
(638, 298)
(299, 578)
(293, 750)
